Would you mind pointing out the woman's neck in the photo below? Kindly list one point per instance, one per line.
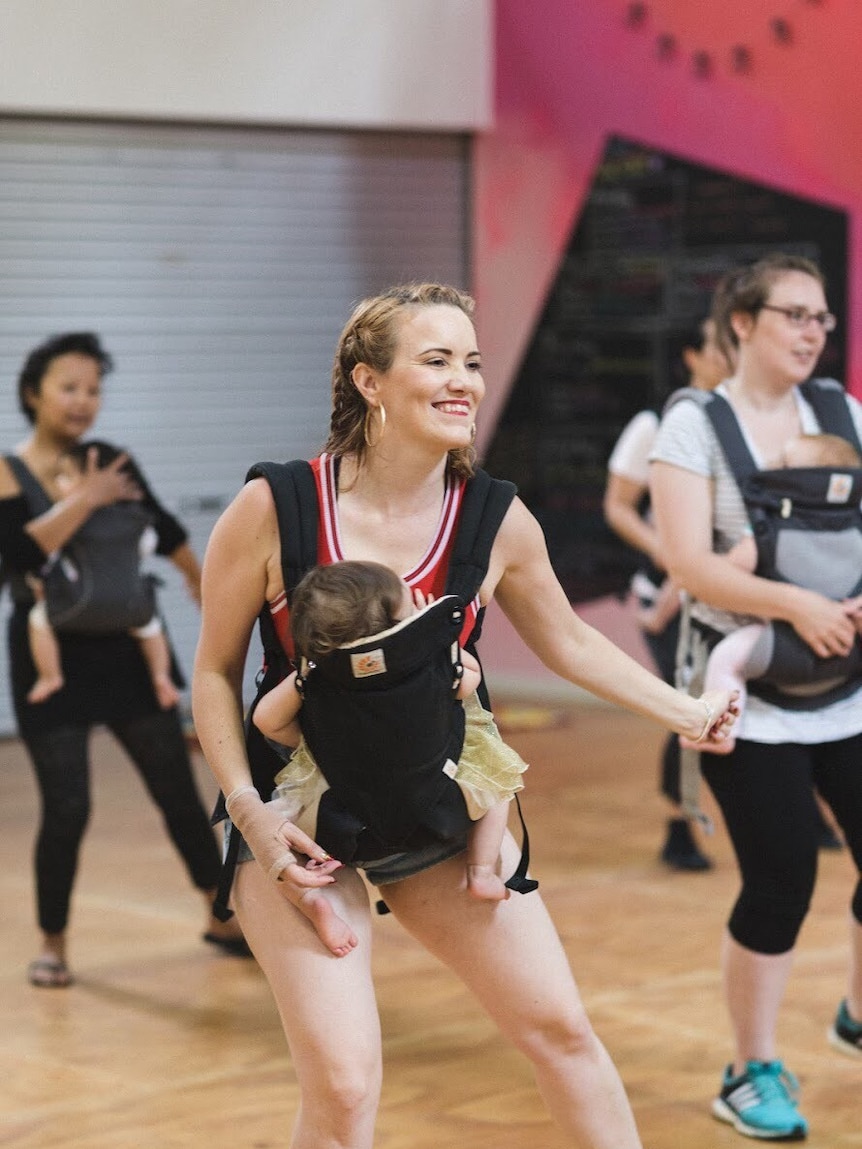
(759, 394)
(43, 449)
(395, 488)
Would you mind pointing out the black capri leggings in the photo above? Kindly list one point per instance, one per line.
(766, 794)
(157, 747)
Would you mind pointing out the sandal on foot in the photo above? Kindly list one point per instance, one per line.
(235, 947)
(49, 973)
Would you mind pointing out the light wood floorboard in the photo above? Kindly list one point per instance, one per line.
(164, 1044)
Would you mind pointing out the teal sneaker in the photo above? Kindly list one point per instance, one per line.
(761, 1102)
(845, 1033)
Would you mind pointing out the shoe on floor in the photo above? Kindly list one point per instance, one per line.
(845, 1034)
(49, 972)
(234, 946)
(761, 1102)
(680, 851)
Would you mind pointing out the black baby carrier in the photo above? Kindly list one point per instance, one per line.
(388, 760)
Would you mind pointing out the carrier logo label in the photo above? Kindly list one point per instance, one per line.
(367, 663)
(839, 489)
(450, 769)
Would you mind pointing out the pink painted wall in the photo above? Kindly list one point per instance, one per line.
(569, 74)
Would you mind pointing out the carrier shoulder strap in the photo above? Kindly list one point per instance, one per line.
(32, 489)
(828, 400)
(483, 509)
(294, 492)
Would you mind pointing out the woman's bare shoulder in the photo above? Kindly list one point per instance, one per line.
(251, 513)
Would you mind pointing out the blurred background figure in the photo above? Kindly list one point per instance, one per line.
(626, 508)
(106, 680)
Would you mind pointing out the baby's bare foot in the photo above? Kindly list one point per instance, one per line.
(44, 687)
(166, 692)
(332, 930)
(484, 883)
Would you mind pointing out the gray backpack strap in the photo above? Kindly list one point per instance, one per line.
(692, 652)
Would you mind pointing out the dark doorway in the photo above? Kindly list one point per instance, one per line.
(655, 235)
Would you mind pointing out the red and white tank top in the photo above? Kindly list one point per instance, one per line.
(429, 574)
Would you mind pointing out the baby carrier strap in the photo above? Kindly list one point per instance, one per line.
(294, 494)
(34, 492)
(483, 509)
(828, 400)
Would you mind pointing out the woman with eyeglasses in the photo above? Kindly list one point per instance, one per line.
(775, 316)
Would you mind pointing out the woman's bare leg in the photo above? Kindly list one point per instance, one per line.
(327, 1007)
(754, 987)
(510, 955)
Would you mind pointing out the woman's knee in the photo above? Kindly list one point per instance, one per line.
(768, 921)
(563, 1033)
(345, 1091)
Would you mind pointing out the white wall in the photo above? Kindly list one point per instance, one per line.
(423, 64)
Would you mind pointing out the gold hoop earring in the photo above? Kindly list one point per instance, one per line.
(367, 424)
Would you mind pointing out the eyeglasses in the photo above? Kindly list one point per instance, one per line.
(800, 317)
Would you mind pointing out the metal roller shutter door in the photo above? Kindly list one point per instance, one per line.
(219, 266)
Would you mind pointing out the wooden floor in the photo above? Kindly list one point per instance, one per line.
(163, 1043)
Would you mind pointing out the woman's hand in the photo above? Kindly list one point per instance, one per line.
(275, 841)
(101, 486)
(827, 626)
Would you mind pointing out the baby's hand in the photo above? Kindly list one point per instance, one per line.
(421, 599)
(310, 873)
(725, 708)
(853, 610)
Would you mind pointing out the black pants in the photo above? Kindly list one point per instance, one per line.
(662, 647)
(157, 747)
(767, 797)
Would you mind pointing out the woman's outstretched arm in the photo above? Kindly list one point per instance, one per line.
(531, 597)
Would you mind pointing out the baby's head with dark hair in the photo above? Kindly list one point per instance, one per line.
(105, 453)
(340, 603)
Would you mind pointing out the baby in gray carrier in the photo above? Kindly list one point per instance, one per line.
(95, 585)
(772, 653)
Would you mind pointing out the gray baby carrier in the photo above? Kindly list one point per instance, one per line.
(94, 584)
(807, 526)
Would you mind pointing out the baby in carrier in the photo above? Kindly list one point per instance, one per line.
(749, 652)
(340, 606)
(44, 647)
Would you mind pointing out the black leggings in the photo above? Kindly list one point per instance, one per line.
(157, 747)
(766, 794)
